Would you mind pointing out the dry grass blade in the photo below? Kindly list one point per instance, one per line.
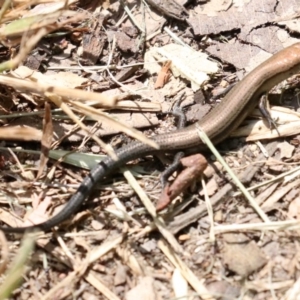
(4, 8)
(41, 89)
(185, 271)
(293, 292)
(20, 133)
(211, 147)
(30, 39)
(93, 278)
(98, 115)
(158, 221)
(46, 139)
(19, 7)
(279, 225)
(79, 271)
(4, 253)
(59, 102)
(14, 276)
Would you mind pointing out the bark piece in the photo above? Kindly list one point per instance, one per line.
(170, 8)
(93, 42)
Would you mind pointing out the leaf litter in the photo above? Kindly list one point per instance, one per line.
(121, 257)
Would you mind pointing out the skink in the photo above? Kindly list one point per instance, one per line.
(217, 124)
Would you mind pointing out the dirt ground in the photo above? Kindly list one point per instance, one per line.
(81, 78)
